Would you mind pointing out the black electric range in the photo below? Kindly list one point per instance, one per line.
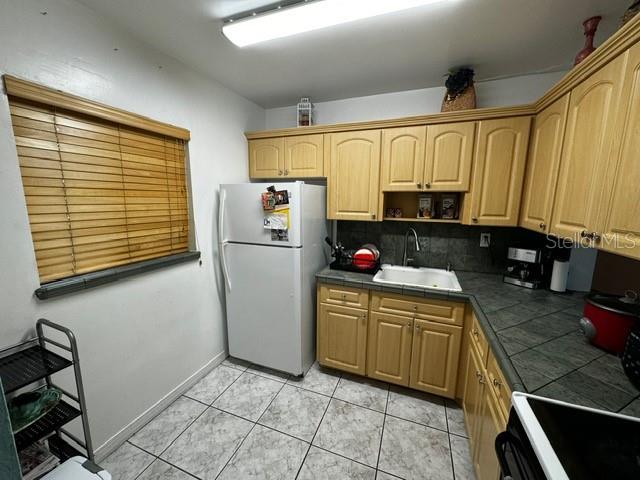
(553, 440)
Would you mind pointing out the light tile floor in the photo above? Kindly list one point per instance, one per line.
(244, 421)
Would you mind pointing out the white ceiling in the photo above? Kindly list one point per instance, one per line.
(401, 51)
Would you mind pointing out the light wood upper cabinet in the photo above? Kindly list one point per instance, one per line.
(354, 175)
(304, 156)
(403, 158)
(389, 348)
(586, 151)
(498, 172)
(266, 158)
(434, 358)
(621, 233)
(545, 149)
(449, 153)
(342, 338)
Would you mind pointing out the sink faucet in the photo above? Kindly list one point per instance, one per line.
(405, 260)
(449, 267)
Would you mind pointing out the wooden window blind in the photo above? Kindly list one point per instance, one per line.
(99, 193)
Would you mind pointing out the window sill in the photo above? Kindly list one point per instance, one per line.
(93, 279)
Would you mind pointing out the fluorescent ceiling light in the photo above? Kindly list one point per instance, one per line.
(309, 16)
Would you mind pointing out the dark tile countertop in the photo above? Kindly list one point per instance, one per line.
(534, 336)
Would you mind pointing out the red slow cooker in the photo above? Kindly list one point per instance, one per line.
(608, 320)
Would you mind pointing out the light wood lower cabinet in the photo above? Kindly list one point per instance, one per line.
(434, 357)
(410, 341)
(485, 402)
(389, 348)
(490, 424)
(342, 338)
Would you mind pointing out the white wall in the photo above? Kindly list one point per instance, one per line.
(141, 337)
(494, 93)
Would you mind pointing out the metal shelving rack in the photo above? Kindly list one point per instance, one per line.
(32, 362)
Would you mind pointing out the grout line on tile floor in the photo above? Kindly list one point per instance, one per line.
(249, 433)
(446, 418)
(318, 427)
(384, 421)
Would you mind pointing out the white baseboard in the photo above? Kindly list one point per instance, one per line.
(108, 447)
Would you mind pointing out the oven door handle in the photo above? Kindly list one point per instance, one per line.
(502, 440)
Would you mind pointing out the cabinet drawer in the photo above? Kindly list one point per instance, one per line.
(425, 309)
(479, 341)
(347, 296)
(499, 386)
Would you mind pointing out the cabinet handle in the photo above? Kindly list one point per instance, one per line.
(543, 225)
(596, 237)
(475, 332)
(474, 219)
(279, 172)
(419, 185)
(427, 185)
(480, 377)
(373, 215)
(286, 172)
(585, 234)
(497, 383)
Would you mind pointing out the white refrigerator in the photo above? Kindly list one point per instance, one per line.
(270, 283)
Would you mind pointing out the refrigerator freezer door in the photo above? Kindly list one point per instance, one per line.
(263, 305)
(243, 216)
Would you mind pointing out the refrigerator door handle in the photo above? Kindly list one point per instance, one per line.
(221, 241)
(225, 270)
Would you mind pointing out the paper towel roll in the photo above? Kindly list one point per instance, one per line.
(559, 276)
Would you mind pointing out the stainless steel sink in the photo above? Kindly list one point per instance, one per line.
(436, 278)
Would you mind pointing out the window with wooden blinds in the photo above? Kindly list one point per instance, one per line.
(99, 193)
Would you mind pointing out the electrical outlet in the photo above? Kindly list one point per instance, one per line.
(485, 240)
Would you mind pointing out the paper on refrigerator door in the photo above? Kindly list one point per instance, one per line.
(277, 220)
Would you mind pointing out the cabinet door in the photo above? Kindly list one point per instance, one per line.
(354, 177)
(389, 349)
(474, 385)
(545, 149)
(304, 156)
(448, 157)
(490, 424)
(498, 172)
(402, 158)
(342, 338)
(586, 152)
(622, 221)
(266, 158)
(434, 357)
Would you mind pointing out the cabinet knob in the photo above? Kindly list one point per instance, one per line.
(409, 325)
(419, 185)
(415, 307)
(373, 215)
(497, 383)
(474, 219)
(474, 332)
(286, 172)
(480, 377)
(543, 225)
(596, 237)
(417, 328)
(584, 234)
(279, 172)
(427, 185)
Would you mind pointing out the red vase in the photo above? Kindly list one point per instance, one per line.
(590, 26)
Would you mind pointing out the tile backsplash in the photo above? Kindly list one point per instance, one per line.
(440, 243)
